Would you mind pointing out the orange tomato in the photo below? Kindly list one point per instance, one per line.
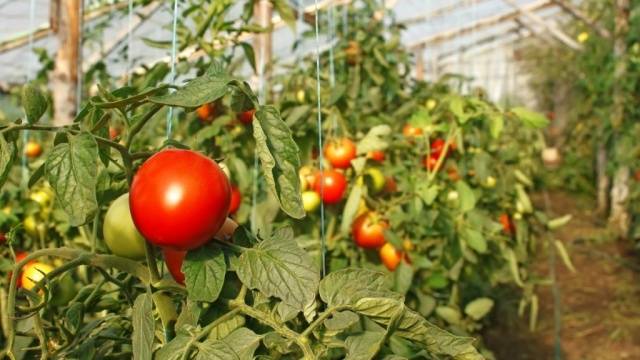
(390, 256)
(33, 149)
(340, 153)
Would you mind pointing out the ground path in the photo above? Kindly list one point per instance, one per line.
(600, 303)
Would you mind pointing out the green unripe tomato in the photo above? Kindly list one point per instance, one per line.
(490, 182)
(120, 234)
(310, 201)
(376, 180)
(63, 290)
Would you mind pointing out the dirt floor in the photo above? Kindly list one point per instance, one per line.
(600, 303)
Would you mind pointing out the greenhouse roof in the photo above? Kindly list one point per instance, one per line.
(441, 29)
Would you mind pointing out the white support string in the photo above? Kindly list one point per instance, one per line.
(172, 75)
(30, 66)
(79, 74)
(261, 98)
(320, 146)
(129, 42)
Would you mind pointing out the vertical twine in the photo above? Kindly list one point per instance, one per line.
(172, 75)
(320, 146)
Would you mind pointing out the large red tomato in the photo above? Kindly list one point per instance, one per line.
(236, 200)
(368, 230)
(174, 260)
(179, 199)
(330, 184)
(340, 153)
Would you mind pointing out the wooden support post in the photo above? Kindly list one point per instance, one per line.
(420, 64)
(262, 43)
(65, 74)
(619, 219)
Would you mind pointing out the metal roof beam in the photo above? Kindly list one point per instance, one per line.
(551, 28)
(482, 23)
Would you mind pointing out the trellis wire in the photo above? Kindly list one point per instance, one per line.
(172, 74)
(320, 147)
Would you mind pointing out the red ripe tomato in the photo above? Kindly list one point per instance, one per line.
(368, 231)
(390, 185)
(430, 162)
(636, 175)
(330, 184)
(436, 147)
(340, 153)
(179, 199)
(507, 225)
(390, 256)
(376, 155)
(3, 238)
(246, 117)
(174, 260)
(410, 131)
(113, 132)
(236, 200)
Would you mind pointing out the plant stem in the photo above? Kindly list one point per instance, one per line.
(321, 319)
(282, 329)
(206, 330)
(135, 129)
(142, 97)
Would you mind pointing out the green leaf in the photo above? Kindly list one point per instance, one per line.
(467, 197)
(225, 328)
(531, 118)
(374, 140)
(189, 315)
(280, 160)
(341, 320)
(158, 44)
(297, 113)
(249, 54)
(278, 267)
(403, 278)
(35, 176)
(204, 270)
(347, 286)
(8, 153)
(34, 103)
(143, 327)
(496, 124)
(74, 316)
(240, 344)
(456, 106)
(202, 90)
(72, 171)
(364, 346)
(475, 240)
(351, 208)
(449, 314)
(174, 349)
(478, 308)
